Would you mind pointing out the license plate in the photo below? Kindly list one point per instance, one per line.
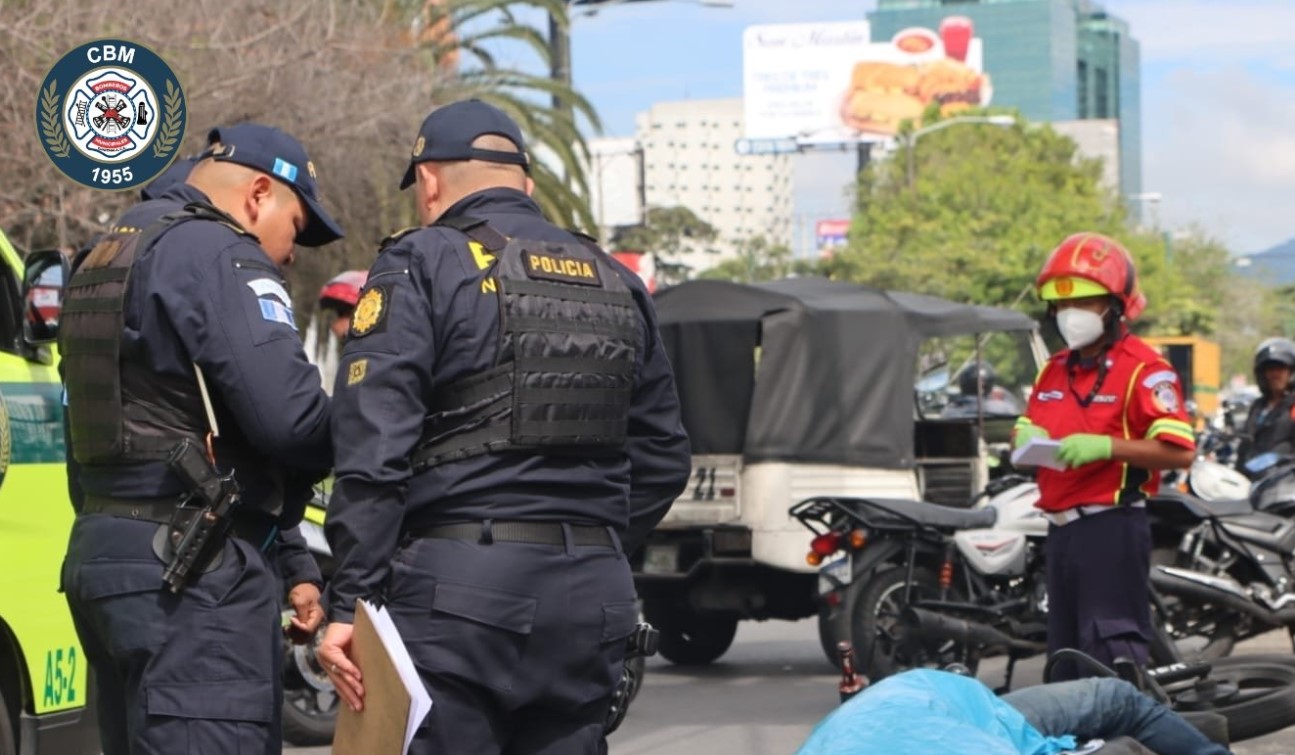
(835, 574)
(661, 559)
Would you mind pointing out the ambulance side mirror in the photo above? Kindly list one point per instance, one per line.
(44, 278)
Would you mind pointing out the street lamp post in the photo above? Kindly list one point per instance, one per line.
(910, 140)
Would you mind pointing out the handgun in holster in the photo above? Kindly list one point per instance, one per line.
(641, 644)
(199, 527)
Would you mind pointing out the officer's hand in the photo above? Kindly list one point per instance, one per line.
(304, 599)
(1026, 432)
(1084, 448)
(334, 656)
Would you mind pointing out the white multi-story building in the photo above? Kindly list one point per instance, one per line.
(615, 176)
(690, 160)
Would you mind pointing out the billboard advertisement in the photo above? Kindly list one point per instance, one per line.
(830, 234)
(830, 83)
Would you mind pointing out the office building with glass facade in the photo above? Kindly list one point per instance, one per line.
(1054, 60)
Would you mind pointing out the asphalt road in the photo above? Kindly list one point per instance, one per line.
(765, 695)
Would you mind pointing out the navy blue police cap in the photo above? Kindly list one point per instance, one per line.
(277, 154)
(174, 174)
(447, 135)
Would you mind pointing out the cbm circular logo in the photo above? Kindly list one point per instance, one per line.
(111, 114)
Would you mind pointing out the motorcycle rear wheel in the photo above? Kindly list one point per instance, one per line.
(880, 647)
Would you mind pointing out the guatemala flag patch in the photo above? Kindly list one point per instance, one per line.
(273, 311)
(285, 170)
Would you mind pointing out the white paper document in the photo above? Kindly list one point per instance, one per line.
(420, 703)
(1039, 452)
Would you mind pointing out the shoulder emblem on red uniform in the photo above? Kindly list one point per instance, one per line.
(1162, 376)
(1164, 395)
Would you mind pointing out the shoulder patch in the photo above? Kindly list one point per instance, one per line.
(270, 287)
(370, 311)
(561, 268)
(1164, 395)
(273, 311)
(1163, 376)
(357, 371)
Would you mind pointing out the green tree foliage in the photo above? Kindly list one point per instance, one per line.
(985, 208)
(987, 205)
(758, 259)
(666, 233)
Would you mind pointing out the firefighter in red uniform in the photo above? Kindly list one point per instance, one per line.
(1116, 407)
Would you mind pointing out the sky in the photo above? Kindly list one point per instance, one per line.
(1218, 95)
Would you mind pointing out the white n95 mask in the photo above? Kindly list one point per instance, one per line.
(1079, 327)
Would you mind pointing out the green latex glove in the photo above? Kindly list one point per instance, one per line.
(1027, 432)
(1084, 448)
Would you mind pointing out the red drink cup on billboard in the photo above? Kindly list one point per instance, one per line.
(956, 33)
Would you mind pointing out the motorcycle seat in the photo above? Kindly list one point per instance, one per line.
(935, 515)
(1232, 507)
(1267, 531)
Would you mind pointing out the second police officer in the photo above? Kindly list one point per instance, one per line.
(178, 332)
(1116, 407)
(507, 430)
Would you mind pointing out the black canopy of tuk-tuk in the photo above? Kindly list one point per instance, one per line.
(807, 369)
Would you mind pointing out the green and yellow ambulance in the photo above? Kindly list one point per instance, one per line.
(44, 705)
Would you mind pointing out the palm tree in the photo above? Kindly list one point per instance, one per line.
(462, 39)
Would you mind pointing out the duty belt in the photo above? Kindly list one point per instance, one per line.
(1062, 518)
(160, 510)
(504, 531)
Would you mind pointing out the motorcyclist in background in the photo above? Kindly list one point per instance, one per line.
(339, 296)
(979, 391)
(1270, 425)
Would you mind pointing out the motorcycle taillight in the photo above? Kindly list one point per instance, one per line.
(826, 544)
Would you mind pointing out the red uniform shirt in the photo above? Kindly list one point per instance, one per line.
(1140, 397)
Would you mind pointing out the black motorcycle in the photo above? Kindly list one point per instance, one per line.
(1230, 577)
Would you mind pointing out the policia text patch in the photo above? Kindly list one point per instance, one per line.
(561, 269)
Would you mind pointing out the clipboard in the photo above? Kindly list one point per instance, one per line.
(395, 701)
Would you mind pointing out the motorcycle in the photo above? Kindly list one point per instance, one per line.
(1231, 576)
(918, 584)
(1221, 573)
(923, 585)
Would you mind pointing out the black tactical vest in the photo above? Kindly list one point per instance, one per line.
(564, 367)
(120, 411)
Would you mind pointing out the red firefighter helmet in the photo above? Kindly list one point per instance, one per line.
(1090, 264)
(343, 290)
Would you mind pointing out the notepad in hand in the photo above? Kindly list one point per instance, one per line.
(395, 700)
(1039, 452)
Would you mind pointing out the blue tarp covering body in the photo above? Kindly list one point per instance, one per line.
(922, 712)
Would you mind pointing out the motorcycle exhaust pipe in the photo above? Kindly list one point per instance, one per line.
(1219, 591)
(936, 626)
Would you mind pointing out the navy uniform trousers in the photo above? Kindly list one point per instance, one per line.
(520, 646)
(1098, 600)
(193, 674)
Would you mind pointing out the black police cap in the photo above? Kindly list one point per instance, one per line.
(447, 135)
(277, 154)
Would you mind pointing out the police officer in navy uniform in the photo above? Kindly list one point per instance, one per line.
(174, 174)
(507, 430)
(1270, 424)
(177, 327)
